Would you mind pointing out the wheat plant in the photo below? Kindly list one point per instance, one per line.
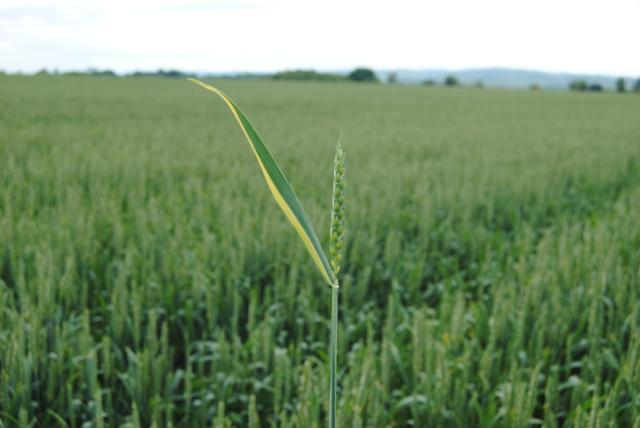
(335, 253)
(295, 213)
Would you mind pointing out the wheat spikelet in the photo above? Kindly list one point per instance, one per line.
(336, 242)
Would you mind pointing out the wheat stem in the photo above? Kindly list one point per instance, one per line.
(335, 255)
(333, 356)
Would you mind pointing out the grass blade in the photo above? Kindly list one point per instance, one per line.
(280, 187)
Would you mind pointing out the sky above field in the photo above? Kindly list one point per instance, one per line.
(595, 37)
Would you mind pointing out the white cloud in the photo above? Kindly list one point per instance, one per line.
(257, 35)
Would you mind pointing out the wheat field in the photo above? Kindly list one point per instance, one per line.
(491, 275)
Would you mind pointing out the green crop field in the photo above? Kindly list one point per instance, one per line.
(147, 278)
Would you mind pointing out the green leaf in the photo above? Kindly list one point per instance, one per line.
(279, 187)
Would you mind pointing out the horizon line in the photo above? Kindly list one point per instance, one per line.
(118, 71)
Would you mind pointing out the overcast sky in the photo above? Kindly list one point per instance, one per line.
(599, 37)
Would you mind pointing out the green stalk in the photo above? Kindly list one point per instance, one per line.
(333, 353)
(335, 255)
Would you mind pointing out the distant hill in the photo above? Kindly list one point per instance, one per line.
(503, 77)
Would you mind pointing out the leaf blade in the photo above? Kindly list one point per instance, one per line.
(280, 188)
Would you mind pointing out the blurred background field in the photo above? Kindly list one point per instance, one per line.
(147, 279)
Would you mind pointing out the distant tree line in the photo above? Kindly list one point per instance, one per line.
(581, 85)
(576, 85)
(451, 81)
(358, 75)
(308, 75)
(88, 72)
(174, 74)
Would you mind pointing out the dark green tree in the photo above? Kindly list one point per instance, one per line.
(636, 87)
(451, 80)
(363, 75)
(621, 85)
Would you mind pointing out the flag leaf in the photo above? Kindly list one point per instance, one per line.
(279, 187)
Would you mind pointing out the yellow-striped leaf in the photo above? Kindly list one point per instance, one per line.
(280, 187)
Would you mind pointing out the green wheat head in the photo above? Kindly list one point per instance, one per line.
(336, 242)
